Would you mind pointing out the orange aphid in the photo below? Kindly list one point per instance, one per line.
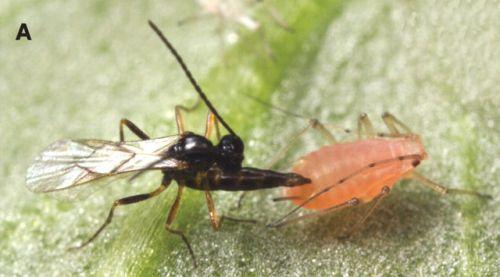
(360, 169)
(351, 173)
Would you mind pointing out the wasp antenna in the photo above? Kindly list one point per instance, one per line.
(262, 102)
(189, 76)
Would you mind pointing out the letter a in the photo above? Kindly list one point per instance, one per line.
(23, 32)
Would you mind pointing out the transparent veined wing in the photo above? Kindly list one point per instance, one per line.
(68, 163)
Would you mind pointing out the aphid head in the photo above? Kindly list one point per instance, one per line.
(195, 150)
(230, 150)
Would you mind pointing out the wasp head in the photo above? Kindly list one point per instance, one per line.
(230, 150)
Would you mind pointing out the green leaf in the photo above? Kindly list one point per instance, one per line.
(432, 64)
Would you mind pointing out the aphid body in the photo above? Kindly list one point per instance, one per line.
(371, 164)
(231, 11)
(346, 174)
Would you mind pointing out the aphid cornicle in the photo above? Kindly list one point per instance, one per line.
(346, 174)
(187, 158)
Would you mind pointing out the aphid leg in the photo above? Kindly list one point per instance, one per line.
(282, 222)
(377, 200)
(124, 201)
(179, 118)
(132, 127)
(392, 123)
(214, 219)
(314, 124)
(365, 126)
(444, 190)
(171, 216)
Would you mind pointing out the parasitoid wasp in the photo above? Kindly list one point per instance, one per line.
(190, 159)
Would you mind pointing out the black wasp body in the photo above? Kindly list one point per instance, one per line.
(219, 167)
(189, 159)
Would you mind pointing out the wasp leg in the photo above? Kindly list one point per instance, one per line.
(179, 118)
(377, 200)
(217, 221)
(281, 222)
(132, 127)
(171, 216)
(444, 190)
(365, 127)
(392, 123)
(124, 201)
(209, 126)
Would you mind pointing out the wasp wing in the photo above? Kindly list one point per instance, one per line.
(68, 163)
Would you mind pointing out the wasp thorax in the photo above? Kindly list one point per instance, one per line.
(194, 149)
(230, 150)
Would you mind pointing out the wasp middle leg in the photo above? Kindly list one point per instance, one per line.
(170, 218)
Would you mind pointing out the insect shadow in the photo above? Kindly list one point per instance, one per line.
(189, 159)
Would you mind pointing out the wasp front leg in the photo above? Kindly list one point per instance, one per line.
(210, 124)
(179, 118)
(132, 127)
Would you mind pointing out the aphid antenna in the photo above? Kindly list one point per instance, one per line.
(292, 114)
(189, 75)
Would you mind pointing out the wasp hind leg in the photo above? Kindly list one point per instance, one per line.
(120, 202)
(171, 216)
